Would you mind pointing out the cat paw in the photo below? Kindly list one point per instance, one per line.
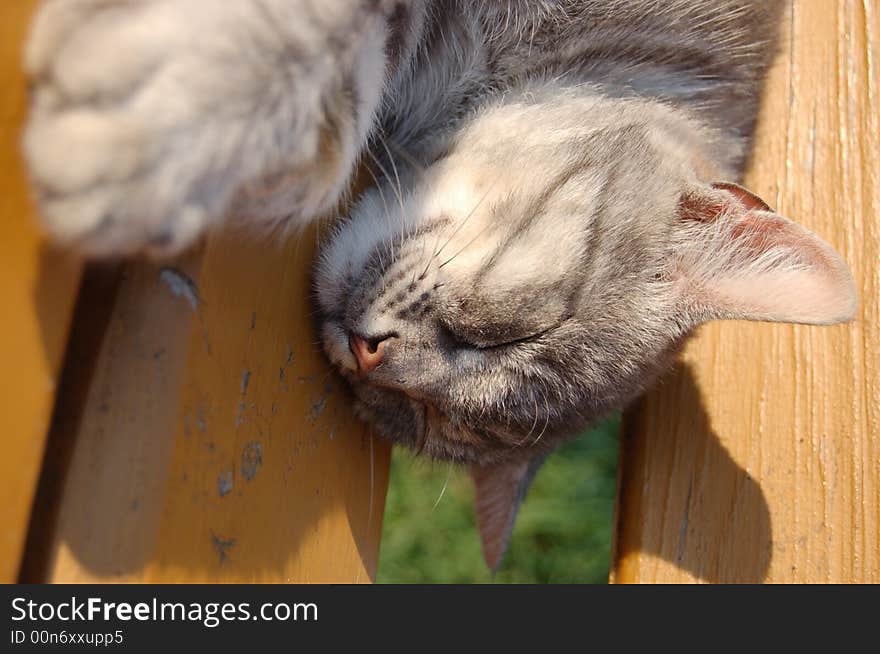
(150, 120)
(112, 140)
(101, 189)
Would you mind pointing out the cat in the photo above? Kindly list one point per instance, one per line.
(555, 206)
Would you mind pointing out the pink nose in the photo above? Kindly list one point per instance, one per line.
(367, 353)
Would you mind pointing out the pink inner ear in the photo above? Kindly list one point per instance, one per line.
(744, 195)
(760, 233)
(741, 260)
(705, 209)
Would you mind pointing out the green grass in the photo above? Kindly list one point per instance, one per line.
(562, 535)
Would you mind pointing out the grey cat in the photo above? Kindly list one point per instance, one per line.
(554, 209)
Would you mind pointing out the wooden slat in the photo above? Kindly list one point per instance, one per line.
(212, 443)
(198, 435)
(38, 289)
(759, 459)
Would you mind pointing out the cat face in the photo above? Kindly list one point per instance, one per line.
(544, 270)
(543, 273)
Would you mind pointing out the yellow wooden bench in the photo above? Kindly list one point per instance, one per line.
(197, 434)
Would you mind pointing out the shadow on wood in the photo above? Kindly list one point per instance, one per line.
(199, 434)
(718, 511)
(38, 290)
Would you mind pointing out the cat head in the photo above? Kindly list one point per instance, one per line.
(544, 272)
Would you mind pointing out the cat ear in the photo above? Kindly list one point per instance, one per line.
(499, 490)
(741, 260)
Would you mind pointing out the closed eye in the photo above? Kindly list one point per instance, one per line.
(519, 341)
(463, 342)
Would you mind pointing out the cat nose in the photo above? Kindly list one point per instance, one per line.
(367, 351)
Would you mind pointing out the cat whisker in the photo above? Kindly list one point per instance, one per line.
(445, 484)
(466, 246)
(399, 190)
(416, 166)
(534, 424)
(464, 222)
(387, 147)
(372, 483)
(546, 422)
(422, 438)
(381, 193)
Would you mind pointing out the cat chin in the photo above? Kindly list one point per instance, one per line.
(404, 420)
(392, 414)
(428, 432)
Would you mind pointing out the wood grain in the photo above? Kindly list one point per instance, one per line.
(759, 458)
(200, 435)
(38, 287)
(194, 439)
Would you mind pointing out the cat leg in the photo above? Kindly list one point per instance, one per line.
(151, 120)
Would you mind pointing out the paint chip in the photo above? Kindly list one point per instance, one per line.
(222, 546)
(181, 286)
(251, 460)
(317, 408)
(288, 360)
(225, 482)
(200, 420)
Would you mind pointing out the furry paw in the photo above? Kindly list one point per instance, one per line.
(113, 137)
(149, 118)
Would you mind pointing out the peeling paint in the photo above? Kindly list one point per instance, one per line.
(245, 381)
(239, 416)
(225, 482)
(288, 360)
(222, 546)
(317, 408)
(251, 460)
(320, 404)
(181, 286)
(200, 419)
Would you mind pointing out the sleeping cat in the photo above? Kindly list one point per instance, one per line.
(554, 207)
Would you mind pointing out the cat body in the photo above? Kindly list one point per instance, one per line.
(554, 208)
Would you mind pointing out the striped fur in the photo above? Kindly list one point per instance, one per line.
(547, 224)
